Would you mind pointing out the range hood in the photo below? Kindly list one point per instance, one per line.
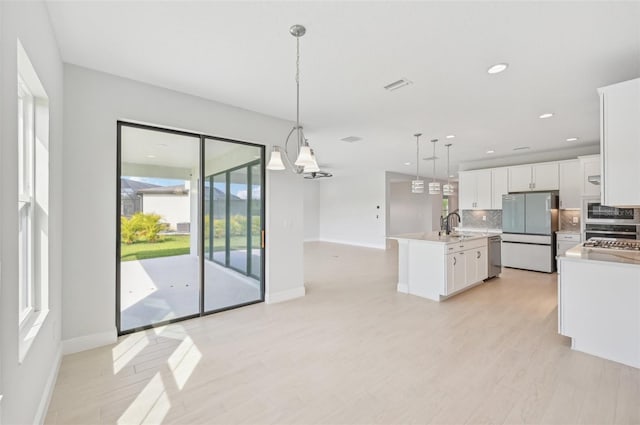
(594, 180)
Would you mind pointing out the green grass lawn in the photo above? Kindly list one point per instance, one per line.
(167, 247)
(174, 245)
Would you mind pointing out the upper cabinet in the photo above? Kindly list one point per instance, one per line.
(534, 177)
(499, 186)
(590, 172)
(570, 184)
(620, 143)
(474, 190)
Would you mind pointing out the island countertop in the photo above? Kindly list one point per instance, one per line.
(579, 253)
(434, 237)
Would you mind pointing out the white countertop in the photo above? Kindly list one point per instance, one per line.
(578, 253)
(478, 230)
(435, 238)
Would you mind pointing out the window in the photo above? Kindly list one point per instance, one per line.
(26, 167)
(33, 202)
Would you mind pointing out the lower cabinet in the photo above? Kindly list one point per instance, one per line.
(464, 268)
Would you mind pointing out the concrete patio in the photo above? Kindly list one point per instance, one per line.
(165, 288)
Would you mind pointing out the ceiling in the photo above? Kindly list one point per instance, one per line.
(241, 53)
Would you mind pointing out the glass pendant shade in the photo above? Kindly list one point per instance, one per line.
(417, 186)
(304, 157)
(434, 188)
(448, 189)
(275, 162)
(312, 168)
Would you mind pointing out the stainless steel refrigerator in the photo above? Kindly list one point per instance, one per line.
(529, 223)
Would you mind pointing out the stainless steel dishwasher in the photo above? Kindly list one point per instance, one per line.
(495, 256)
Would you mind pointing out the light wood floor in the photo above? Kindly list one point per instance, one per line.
(355, 351)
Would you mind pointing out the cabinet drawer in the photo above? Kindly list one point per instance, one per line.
(569, 237)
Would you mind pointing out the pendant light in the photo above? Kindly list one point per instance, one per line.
(306, 160)
(434, 186)
(417, 185)
(448, 188)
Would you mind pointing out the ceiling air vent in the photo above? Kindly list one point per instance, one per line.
(397, 84)
(351, 139)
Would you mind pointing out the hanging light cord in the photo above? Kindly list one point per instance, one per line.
(434, 159)
(417, 157)
(300, 139)
(448, 173)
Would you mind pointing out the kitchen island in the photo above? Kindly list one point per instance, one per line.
(599, 302)
(435, 266)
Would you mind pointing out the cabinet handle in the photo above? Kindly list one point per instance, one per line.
(454, 261)
(478, 256)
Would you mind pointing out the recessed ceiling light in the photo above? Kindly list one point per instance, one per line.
(547, 115)
(451, 176)
(451, 136)
(151, 156)
(407, 163)
(491, 151)
(351, 139)
(498, 68)
(162, 145)
(572, 139)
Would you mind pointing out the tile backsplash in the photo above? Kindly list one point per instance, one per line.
(473, 219)
(566, 220)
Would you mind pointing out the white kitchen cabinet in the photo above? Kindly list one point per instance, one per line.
(466, 267)
(570, 184)
(456, 272)
(499, 186)
(590, 171)
(519, 178)
(534, 177)
(474, 189)
(620, 143)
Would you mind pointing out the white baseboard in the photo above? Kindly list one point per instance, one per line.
(403, 287)
(382, 246)
(311, 240)
(43, 406)
(289, 294)
(87, 342)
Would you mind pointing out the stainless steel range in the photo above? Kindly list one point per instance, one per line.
(619, 244)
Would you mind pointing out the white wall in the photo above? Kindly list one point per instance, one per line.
(26, 386)
(94, 101)
(311, 210)
(352, 209)
(410, 212)
(174, 209)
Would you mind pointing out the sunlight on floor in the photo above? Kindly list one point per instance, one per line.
(150, 406)
(183, 361)
(128, 349)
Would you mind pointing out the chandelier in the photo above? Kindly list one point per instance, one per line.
(448, 188)
(434, 186)
(306, 159)
(417, 185)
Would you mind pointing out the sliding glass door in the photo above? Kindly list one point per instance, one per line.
(233, 271)
(190, 225)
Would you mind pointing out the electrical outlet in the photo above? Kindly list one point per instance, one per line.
(575, 220)
(484, 218)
